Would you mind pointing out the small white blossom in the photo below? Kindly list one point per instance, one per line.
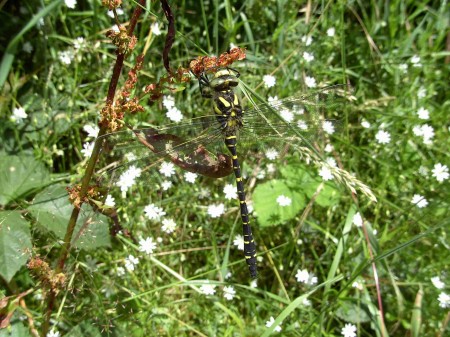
(91, 130)
(65, 57)
(357, 220)
(272, 154)
(79, 42)
(357, 285)
(154, 212)
(167, 169)
(331, 162)
(131, 262)
(254, 284)
(423, 113)
(307, 40)
(190, 177)
(328, 127)
(325, 173)
(229, 292)
(444, 300)
(365, 124)
(403, 67)
(165, 185)
(310, 82)
(349, 330)
(287, 115)
(269, 80)
(419, 201)
(331, 31)
(168, 226)
(120, 271)
(437, 282)
(383, 137)
(440, 172)
(27, 47)
(53, 333)
(302, 125)
(270, 322)
(422, 92)
(284, 201)
(303, 276)
(328, 148)
(208, 289)
(87, 149)
(18, 114)
(168, 102)
(127, 178)
(230, 192)
(70, 3)
(239, 242)
(155, 28)
(308, 57)
(109, 201)
(271, 99)
(147, 246)
(415, 61)
(174, 114)
(215, 211)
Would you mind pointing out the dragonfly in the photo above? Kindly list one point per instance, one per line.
(197, 145)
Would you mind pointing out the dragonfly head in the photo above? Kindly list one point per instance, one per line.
(223, 80)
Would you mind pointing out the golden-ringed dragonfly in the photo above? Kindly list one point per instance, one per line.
(297, 122)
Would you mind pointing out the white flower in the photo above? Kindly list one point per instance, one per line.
(230, 192)
(287, 115)
(307, 40)
(168, 102)
(120, 271)
(421, 93)
(440, 172)
(331, 162)
(165, 185)
(331, 31)
(229, 292)
(427, 133)
(365, 124)
(306, 302)
(239, 242)
(167, 169)
(349, 330)
(131, 262)
(271, 100)
(403, 67)
(383, 137)
(87, 149)
(272, 154)
(18, 114)
(423, 113)
(357, 220)
(119, 11)
(310, 82)
(328, 148)
(302, 125)
(109, 201)
(283, 201)
(153, 212)
(91, 130)
(302, 276)
(70, 3)
(127, 178)
(254, 284)
(208, 289)
(325, 173)
(415, 60)
(423, 171)
(328, 127)
(65, 57)
(215, 211)
(174, 114)
(270, 322)
(357, 285)
(444, 300)
(419, 201)
(78, 42)
(168, 226)
(437, 282)
(27, 47)
(52, 333)
(190, 177)
(147, 246)
(269, 80)
(308, 57)
(155, 28)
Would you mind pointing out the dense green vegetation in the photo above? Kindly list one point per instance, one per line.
(331, 262)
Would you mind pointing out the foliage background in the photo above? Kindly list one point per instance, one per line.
(372, 49)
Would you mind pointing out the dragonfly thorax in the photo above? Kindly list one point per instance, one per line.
(228, 109)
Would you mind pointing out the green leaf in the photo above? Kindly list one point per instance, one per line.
(265, 203)
(84, 329)
(52, 210)
(20, 175)
(328, 196)
(15, 243)
(353, 313)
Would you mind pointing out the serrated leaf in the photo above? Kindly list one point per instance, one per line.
(52, 210)
(15, 243)
(20, 175)
(265, 203)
